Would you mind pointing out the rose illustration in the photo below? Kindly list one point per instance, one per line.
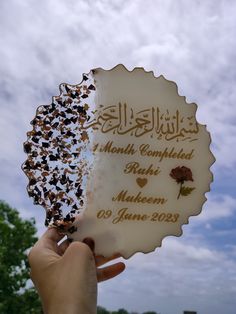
(180, 175)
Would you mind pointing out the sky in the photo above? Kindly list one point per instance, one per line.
(192, 42)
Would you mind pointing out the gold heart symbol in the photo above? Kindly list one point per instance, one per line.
(141, 182)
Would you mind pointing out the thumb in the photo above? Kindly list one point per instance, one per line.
(78, 252)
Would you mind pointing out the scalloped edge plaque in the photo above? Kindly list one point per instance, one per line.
(119, 157)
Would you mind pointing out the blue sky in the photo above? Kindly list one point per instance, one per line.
(44, 43)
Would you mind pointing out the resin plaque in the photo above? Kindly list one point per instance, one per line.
(120, 158)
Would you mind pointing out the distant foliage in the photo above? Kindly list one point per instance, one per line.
(16, 236)
(103, 310)
(120, 311)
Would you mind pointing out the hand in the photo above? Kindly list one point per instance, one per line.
(66, 275)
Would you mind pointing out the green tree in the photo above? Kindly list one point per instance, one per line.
(120, 311)
(102, 310)
(16, 237)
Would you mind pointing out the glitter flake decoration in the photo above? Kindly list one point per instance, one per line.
(120, 158)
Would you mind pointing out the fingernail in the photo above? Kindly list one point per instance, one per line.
(90, 243)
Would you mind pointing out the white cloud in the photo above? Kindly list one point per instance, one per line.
(51, 42)
(44, 43)
(217, 207)
(175, 276)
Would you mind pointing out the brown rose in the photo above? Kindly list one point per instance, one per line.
(181, 174)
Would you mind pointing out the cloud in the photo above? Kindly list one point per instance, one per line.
(174, 277)
(217, 207)
(189, 43)
(44, 43)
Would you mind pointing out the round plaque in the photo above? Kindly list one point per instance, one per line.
(120, 158)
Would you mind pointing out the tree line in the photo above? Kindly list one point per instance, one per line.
(17, 236)
(103, 310)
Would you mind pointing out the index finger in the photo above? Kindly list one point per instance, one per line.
(52, 234)
(46, 248)
(49, 240)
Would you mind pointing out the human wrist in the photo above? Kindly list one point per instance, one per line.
(82, 307)
(62, 309)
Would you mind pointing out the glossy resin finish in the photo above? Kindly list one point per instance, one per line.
(120, 158)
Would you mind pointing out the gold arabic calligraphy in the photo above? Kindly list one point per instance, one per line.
(121, 119)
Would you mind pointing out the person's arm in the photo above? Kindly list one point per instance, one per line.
(66, 275)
